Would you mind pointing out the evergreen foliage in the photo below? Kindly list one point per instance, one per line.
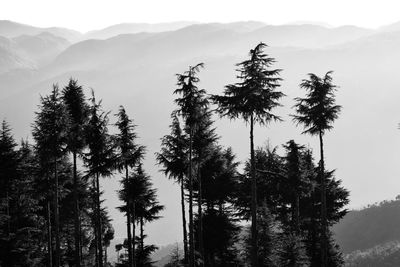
(253, 99)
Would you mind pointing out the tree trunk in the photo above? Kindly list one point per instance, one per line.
(56, 217)
(200, 214)
(8, 212)
(191, 233)
(324, 241)
(99, 230)
(142, 242)
(49, 238)
(96, 254)
(297, 213)
(128, 220)
(134, 234)
(76, 216)
(185, 242)
(105, 256)
(254, 239)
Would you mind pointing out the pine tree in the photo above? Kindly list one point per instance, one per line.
(253, 99)
(128, 156)
(219, 175)
(317, 112)
(50, 136)
(268, 238)
(173, 157)
(145, 208)
(8, 173)
(190, 103)
(292, 251)
(295, 183)
(99, 161)
(204, 137)
(74, 100)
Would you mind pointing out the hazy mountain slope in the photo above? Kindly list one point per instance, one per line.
(12, 29)
(311, 36)
(125, 28)
(364, 229)
(29, 52)
(202, 40)
(41, 48)
(138, 71)
(11, 58)
(387, 254)
(393, 27)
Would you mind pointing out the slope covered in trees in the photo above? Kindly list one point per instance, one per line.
(369, 227)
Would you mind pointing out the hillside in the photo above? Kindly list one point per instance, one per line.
(12, 29)
(369, 227)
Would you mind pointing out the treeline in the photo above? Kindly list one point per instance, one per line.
(51, 213)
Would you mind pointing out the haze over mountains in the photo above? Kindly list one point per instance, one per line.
(134, 65)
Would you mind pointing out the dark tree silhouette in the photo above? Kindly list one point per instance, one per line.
(219, 175)
(253, 100)
(50, 136)
(99, 160)
(173, 157)
(294, 176)
(128, 156)
(190, 103)
(77, 109)
(145, 208)
(317, 112)
(204, 137)
(8, 168)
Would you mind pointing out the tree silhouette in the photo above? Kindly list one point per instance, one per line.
(145, 208)
(204, 137)
(190, 103)
(8, 168)
(173, 157)
(218, 173)
(128, 156)
(77, 109)
(50, 136)
(253, 100)
(317, 112)
(99, 160)
(294, 176)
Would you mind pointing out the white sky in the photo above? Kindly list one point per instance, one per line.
(85, 15)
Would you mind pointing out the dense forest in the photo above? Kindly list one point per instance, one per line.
(275, 209)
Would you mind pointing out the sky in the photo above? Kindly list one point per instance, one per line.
(86, 15)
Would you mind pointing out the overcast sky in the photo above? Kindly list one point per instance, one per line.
(85, 15)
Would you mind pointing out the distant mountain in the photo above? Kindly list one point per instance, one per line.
(29, 52)
(11, 58)
(311, 36)
(12, 29)
(369, 227)
(212, 39)
(125, 28)
(41, 48)
(390, 27)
